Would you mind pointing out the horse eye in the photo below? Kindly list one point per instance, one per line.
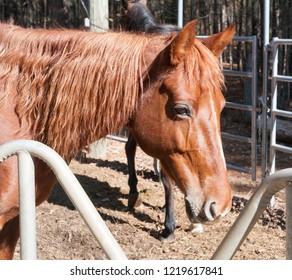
(182, 110)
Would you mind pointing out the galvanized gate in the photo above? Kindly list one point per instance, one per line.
(252, 108)
(275, 111)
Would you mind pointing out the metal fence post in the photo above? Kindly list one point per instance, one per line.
(265, 87)
(274, 96)
(180, 8)
(27, 217)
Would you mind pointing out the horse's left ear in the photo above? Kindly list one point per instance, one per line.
(182, 43)
(217, 42)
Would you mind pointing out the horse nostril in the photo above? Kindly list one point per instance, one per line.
(212, 210)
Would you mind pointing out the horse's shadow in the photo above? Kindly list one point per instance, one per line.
(122, 168)
(103, 196)
(104, 163)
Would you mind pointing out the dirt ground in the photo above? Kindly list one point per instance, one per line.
(62, 234)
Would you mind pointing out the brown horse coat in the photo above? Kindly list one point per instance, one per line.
(69, 88)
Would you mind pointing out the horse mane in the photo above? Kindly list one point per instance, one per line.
(41, 68)
(203, 68)
(138, 18)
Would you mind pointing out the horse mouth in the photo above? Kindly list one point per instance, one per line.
(193, 214)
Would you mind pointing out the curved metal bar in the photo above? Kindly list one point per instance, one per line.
(252, 211)
(27, 211)
(73, 189)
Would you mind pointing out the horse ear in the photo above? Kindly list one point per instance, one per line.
(182, 43)
(217, 42)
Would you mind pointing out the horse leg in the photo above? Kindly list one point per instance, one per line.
(169, 222)
(9, 235)
(9, 215)
(131, 146)
(9, 231)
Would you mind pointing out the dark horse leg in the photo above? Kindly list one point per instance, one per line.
(169, 222)
(135, 201)
(131, 146)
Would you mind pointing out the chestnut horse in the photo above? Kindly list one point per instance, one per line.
(67, 89)
(138, 18)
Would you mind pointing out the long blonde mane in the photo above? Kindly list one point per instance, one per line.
(67, 81)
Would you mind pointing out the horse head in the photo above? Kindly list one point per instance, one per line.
(178, 120)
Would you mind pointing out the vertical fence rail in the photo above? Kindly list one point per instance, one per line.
(70, 185)
(274, 97)
(180, 16)
(264, 97)
(27, 217)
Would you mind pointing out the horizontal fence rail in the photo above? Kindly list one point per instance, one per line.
(252, 211)
(24, 149)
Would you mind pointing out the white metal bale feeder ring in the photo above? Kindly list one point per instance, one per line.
(24, 149)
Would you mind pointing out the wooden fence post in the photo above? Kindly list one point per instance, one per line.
(99, 15)
(99, 23)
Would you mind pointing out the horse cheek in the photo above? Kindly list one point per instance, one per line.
(150, 126)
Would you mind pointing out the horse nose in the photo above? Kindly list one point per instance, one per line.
(209, 212)
(212, 211)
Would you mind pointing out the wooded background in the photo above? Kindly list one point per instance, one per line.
(214, 15)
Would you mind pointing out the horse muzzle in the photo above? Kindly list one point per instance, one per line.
(205, 214)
